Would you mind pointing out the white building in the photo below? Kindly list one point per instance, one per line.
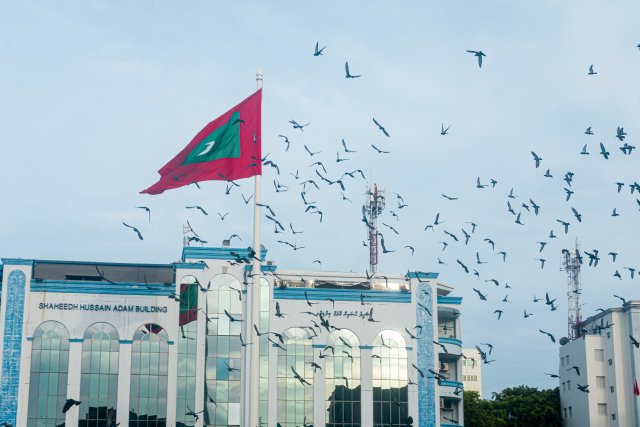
(114, 337)
(472, 370)
(607, 362)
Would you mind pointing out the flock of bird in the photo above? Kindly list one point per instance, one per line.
(522, 209)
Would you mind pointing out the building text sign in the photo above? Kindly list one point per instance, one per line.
(62, 306)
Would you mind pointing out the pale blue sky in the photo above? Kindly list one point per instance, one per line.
(97, 96)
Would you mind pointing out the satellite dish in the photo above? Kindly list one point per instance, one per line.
(564, 341)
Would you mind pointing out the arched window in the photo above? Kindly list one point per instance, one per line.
(99, 376)
(149, 374)
(342, 379)
(186, 381)
(295, 395)
(390, 380)
(223, 352)
(48, 380)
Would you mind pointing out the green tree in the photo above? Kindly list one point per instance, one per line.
(479, 412)
(514, 407)
(527, 406)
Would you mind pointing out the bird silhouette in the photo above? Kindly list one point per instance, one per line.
(68, 404)
(348, 75)
(317, 51)
(134, 229)
(384, 131)
(478, 54)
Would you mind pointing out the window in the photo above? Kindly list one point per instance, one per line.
(223, 352)
(599, 355)
(567, 361)
(562, 361)
(295, 395)
(570, 414)
(342, 379)
(600, 382)
(612, 389)
(609, 335)
(564, 413)
(610, 362)
(568, 385)
(99, 378)
(149, 367)
(602, 409)
(49, 369)
(390, 380)
(613, 417)
(186, 381)
(563, 386)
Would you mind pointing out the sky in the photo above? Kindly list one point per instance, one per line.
(96, 96)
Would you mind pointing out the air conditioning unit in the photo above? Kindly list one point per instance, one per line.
(444, 366)
(446, 405)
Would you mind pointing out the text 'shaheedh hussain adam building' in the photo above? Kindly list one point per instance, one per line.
(114, 337)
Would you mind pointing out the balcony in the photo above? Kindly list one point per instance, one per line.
(449, 347)
(449, 411)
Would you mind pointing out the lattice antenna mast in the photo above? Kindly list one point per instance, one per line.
(571, 265)
(185, 238)
(375, 206)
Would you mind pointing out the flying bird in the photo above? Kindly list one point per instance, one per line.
(346, 150)
(591, 72)
(479, 54)
(146, 209)
(379, 150)
(348, 74)
(297, 125)
(68, 404)
(604, 152)
(317, 51)
(197, 207)
(577, 214)
(553, 339)
(483, 297)
(444, 131)
(536, 158)
(577, 369)
(384, 131)
(134, 229)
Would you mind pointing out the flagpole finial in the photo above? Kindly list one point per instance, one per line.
(259, 75)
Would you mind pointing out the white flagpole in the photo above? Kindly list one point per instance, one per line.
(253, 360)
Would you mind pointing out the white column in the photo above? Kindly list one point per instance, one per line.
(73, 381)
(201, 342)
(172, 384)
(124, 383)
(273, 386)
(319, 410)
(366, 378)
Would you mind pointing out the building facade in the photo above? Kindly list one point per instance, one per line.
(472, 370)
(605, 359)
(159, 345)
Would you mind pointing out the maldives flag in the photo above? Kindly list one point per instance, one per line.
(228, 148)
(188, 303)
(636, 390)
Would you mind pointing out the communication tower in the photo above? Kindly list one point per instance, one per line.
(571, 265)
(374, 207)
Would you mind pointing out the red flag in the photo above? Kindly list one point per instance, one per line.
(636, 390)
(228, 148)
